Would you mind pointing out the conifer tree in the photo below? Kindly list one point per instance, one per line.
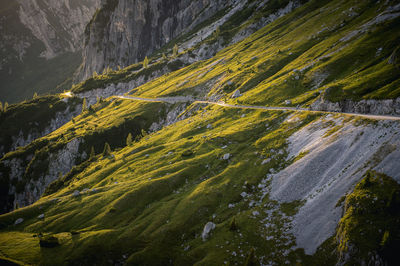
(92, 154)
(164, 57)
(84, 105)
(107, 150)
(5, 107)
(145, 62)
(175, 51)
(251, 258)
(95, 74)
(35, 95)
(1, 107)
(129, 140)
(217, 32)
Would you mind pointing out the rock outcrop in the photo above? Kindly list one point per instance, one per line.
(59, 25)
(376, 107)
(124, 32)
(34, 32)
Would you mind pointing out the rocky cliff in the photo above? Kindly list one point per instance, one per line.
(122, 32)
(40, 44)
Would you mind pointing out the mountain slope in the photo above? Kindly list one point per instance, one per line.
(212, 185)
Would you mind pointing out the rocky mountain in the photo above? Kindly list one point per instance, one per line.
(269, 137)
(40, 44)
(124, 32)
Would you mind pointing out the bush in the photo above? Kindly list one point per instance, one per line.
(49, 242)
(187, 153)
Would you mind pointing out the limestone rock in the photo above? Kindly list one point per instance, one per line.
(236, 94)
(207, 230)
(18, 221)
(226, 156)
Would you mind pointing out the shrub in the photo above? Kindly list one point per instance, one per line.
(49, 242)
(187, 153)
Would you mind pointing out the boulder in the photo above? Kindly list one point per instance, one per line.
(207, 230)
(266, 161)
(287, 102)
(18, 221)
(41, 216)
(236, 94)
(226, 156)
(76, 193)
(209, 126)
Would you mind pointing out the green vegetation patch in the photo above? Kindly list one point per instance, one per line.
(370, 224)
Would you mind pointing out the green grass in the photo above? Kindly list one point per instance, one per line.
(370, 222)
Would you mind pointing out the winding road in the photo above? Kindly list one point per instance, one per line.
(183, 99)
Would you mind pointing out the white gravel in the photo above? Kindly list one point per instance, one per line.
(330, 169)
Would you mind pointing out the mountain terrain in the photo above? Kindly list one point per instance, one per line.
(213, 133)
(40, 45)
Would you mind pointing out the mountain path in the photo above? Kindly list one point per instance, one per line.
(182, 99)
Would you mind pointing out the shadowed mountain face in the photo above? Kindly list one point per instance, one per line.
(124, 32)
(40, 44)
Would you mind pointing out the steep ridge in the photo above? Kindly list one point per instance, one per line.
(211, 185)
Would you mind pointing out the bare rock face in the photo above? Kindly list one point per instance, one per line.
(124, 32)
(376, 107)
(34, 32)
(58, 24)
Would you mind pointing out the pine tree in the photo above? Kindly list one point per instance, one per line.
(129, 140)
(1, 107)
(233, 225)
(92, 154)
(84, 105)
(5, 107)
(95, 74)
(164, 57)
(251, 258)
(107, 150)
(217, 32)
(35, 95)
(175, 51)
(145, 62)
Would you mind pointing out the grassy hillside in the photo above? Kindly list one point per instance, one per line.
(147, 203)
